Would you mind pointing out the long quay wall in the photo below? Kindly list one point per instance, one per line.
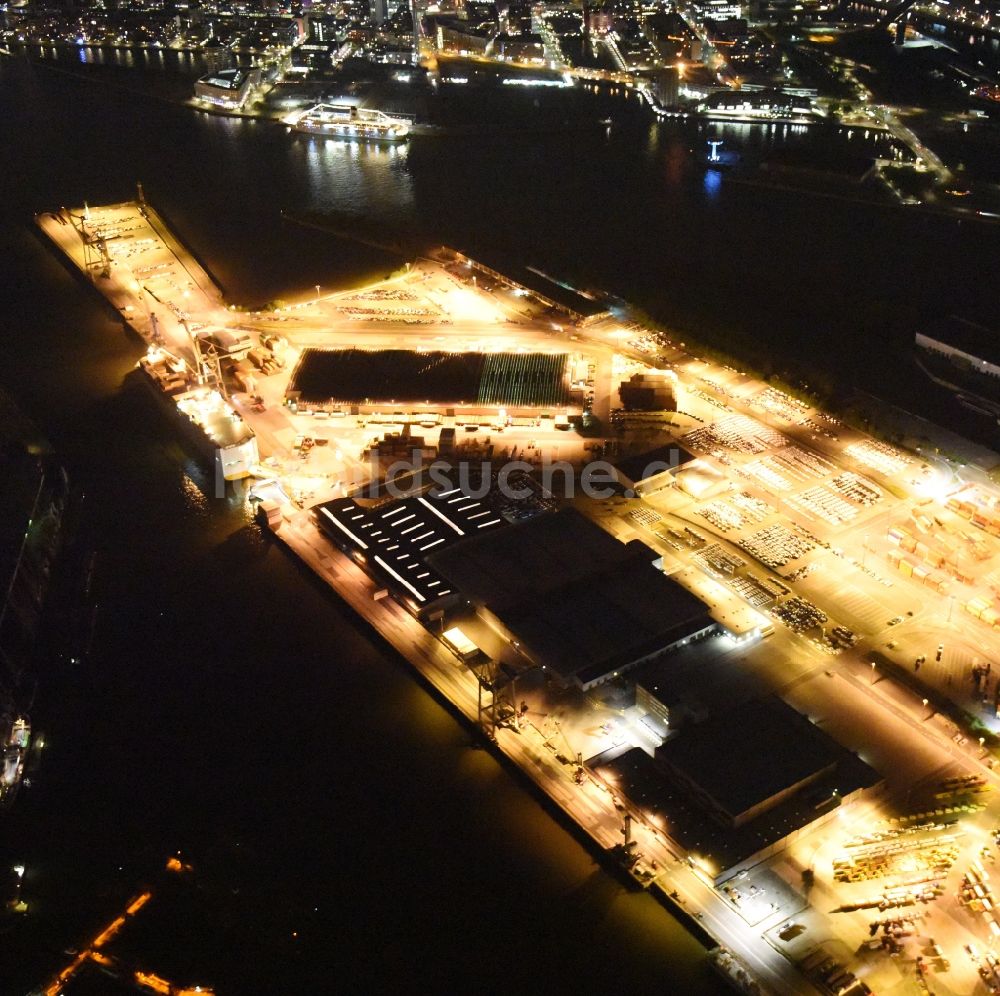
(589, 806)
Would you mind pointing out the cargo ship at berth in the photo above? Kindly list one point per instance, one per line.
(350, 123)
(209, 422)
(13, 753)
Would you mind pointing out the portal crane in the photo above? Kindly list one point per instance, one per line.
(96, 258)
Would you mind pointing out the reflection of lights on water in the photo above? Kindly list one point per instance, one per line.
(353, 172)
(713, 182)
(193, 492)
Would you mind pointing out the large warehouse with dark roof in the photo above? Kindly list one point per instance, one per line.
(571, 597)
(469, 382)
(741, 786)
(394, 538)
(781, 752)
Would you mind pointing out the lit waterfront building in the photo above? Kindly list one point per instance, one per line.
(227, 87)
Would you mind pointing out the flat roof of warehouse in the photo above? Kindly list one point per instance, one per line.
(968, 337)
(397, 536)
(640, 778)
(578, 599)
(402, 376)
(778, 747)
(642, 466)
(563, 295)
(534, 558)
(569, 298)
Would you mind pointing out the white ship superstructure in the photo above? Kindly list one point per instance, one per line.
(348, 122)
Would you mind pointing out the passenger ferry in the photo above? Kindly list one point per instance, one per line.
(345, 121)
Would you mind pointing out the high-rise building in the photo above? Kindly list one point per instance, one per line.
(420, 41)
(379, 11)
(666, 86)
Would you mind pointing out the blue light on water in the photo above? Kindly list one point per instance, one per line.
(713, 182)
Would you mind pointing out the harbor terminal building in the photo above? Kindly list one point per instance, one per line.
(571, 598)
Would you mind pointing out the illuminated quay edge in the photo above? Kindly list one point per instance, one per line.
(562, 82)
(141, 269)
(348, 122)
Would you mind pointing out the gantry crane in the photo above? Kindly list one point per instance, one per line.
(579, 774)
(96, 258)
(492, 677)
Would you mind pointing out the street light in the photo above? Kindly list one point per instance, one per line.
(873, 672)
(317, 292)
(15, 902)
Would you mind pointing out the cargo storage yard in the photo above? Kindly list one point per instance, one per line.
(854, 580)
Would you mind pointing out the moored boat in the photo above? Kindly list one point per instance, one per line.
(349, 123)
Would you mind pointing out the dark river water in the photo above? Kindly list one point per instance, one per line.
(228, 706)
